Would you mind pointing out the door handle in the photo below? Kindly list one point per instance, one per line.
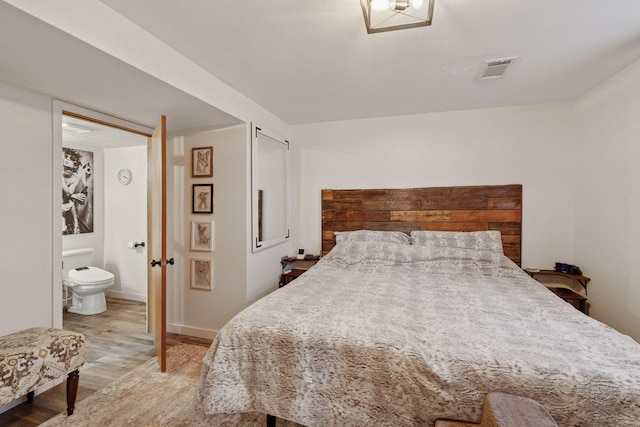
(161, 263)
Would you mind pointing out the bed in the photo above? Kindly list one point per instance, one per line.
(402, 322)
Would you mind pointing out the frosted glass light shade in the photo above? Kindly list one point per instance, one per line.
(390, 15)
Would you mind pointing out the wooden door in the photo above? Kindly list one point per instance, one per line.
(156, 232)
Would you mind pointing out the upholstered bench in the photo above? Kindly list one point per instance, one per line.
(36, 356)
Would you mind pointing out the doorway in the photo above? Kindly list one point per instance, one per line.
(108, 213)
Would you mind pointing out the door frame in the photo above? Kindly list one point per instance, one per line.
(58, 109)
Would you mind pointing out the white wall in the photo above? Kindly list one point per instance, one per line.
(125, 212)
(120, 216)
(26, 194)
(193, 311)
(607, 198)
(532, 146)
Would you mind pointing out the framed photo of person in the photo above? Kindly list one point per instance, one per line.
(202, 198)
(201, 274)
(77, 191)
(202, 236)
(202, 162)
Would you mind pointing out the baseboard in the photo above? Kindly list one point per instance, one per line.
(126, 295)
(41, 389)
(191, 331)
(12, 404)
(171, 327)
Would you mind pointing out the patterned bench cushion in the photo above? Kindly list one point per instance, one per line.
(36, 356)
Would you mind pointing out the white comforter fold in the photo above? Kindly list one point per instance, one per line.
(388, 334)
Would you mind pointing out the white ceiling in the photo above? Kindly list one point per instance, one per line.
(44, 59)
(312, 61)
(77, 131)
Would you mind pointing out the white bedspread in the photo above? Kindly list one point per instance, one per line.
(386, 334)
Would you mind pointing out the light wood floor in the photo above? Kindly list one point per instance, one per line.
(116, 343)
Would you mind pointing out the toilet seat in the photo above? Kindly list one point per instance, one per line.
(90, 276)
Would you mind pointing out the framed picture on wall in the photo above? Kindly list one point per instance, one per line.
(77, 191)
(202, 236)
(202, 162)
(201, 274)
(202, 198)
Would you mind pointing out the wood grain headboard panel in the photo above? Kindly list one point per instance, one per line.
(473, 208)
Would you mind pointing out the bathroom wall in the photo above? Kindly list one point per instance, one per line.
(93, 240)
(125, 220)
(120, 216)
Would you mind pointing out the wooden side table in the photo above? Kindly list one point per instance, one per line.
(569, 296)
(566, 294)
(293, 268)
(583, 280)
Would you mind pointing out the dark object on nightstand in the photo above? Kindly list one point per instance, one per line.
(568, 269)
(292, 268)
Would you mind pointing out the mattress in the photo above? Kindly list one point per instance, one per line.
(400, 335)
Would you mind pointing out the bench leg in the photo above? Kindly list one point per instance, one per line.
(271, 421)
(30, 396)
(72, 390)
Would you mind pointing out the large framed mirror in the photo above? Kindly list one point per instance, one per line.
(269, 188)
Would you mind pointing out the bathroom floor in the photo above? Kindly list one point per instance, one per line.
(116, 343)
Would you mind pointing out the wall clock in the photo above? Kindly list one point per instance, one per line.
(125, 176)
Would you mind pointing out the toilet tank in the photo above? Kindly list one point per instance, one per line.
(74, 258)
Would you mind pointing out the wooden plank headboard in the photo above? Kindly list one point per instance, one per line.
(473, 208)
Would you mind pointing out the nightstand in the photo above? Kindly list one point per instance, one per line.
(569, 296)
(566, 294)
(293, 268)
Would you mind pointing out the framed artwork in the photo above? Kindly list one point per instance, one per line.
(201, 274)
(202, 198)
(77, 191)
(202, 162)
(202, 236)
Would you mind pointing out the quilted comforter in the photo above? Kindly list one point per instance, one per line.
(398, 335)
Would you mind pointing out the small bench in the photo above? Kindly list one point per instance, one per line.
(36, 356)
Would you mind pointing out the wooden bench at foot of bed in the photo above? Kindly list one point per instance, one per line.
(34, 357)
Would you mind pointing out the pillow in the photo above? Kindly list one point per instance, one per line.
(489, 240)
(372, 236)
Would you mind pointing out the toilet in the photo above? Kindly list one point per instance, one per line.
(86, 283)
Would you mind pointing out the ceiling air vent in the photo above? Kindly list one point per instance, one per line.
(495, 68)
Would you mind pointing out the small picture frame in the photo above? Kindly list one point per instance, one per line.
(201, 274)
(202, 236)
(202, 198)
(202, 162)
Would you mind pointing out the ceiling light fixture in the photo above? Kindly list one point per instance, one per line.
(391, 15)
